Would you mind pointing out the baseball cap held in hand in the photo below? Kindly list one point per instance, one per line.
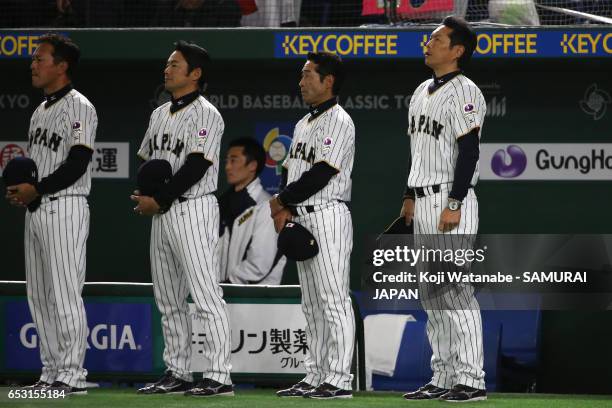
(296, 242)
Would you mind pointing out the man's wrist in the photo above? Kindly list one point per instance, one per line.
(409, 193)
(163, 201)
(279, 200)
(37, 188)
(454, 204)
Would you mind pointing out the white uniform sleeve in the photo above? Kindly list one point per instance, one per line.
(262, 251)
(334, 140)
(467, 109)
(143, 152)
(204, 134)
(82, 121)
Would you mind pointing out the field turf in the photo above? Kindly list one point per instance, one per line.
(264, 398)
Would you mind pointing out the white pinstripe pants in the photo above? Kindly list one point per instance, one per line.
(326, 302)
(184, 261)
(55, 254)
(454, 325)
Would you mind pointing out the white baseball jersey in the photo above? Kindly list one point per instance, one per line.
(329, 137)
(184, 258)
(324, 279)
(248, 253)
(454, 325)
(196, 128)
(56, 126)
(435, 122)
(55, 268)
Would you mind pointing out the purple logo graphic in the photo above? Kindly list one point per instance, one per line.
(327, 141)
(468, 107)
(202, 133)
(517, 165)
(76, 125)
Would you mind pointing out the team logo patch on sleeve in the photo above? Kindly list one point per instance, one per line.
(202, 133)
(327, 143)
(469, 108)
(76, 129)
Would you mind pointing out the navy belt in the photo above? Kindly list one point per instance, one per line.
(420, 191)
(312, 208)
(308, 208)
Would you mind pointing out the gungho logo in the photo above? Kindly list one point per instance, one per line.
(509, 163)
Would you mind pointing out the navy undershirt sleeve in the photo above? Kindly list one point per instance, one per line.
(67, 173)
(467, 158)
(409, 192)
(308, 184)
(191, 172)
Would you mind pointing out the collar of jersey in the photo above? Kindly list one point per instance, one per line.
(56, 96)
(316, 111)
(439, 82)
(180, 103)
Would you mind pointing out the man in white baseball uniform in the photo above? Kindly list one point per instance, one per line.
(61, 140)
(187, 133)
(315, 192)
(446, 115)
(248, 251)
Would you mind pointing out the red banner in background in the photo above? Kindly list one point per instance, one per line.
(405, 8)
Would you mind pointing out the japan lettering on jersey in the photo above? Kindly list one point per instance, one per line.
(71, 121)
(435, 122)
(197, 128)
(330, 138)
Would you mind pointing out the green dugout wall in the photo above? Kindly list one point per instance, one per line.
(534, 99)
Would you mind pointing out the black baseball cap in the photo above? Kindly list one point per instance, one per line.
(296, 242)
(21, 170)
(153, 174)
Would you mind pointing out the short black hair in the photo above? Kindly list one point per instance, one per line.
(64, 49)
(196, 57)
(329, 64)
(252, 150)
(462, 34)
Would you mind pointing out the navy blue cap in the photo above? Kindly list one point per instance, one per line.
(153, 174)
(296, 242)
(22, 170)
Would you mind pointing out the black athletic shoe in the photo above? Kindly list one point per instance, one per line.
(210, 388)
(68, 390)
(297, 390)
(38, 385)
(426, 392)
(328, 391)
(168, 384)
(463, 393)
